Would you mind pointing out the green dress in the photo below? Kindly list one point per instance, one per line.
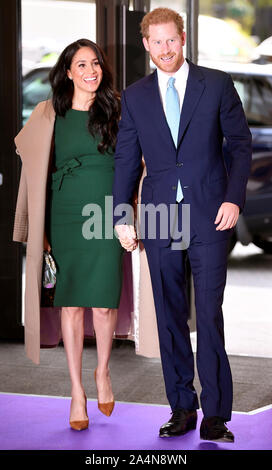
(87, 253)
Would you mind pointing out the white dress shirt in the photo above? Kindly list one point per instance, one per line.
(181, 77)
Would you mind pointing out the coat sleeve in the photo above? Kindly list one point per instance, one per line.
(239, 143)
(128, 164)
(20, 228)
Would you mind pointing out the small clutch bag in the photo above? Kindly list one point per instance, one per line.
(48, 281)
(49, 271)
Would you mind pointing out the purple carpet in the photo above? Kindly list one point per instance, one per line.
(41, 423)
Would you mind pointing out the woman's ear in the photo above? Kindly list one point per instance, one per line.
(69, 75)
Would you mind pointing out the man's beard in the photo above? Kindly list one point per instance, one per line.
(172, 67)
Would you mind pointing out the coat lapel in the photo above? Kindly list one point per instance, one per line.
(194, 89)
(34, 140)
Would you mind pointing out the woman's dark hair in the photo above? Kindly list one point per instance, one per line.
(104, 113)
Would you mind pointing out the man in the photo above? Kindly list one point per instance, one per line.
(177, 118)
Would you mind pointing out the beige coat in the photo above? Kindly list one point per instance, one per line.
(136, 314)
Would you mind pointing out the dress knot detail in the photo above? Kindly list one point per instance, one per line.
(67, 169)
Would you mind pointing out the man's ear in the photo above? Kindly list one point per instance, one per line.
(146, 45)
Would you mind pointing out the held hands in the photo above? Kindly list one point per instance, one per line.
(227, 215)
(127, 236)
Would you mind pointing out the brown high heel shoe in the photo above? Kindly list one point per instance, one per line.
(82, 424)
(105, 408)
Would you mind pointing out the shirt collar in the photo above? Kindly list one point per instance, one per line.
(180, 75)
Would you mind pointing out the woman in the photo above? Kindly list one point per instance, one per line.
(83, 116)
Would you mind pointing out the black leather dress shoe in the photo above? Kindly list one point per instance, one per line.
(180, 422)
(214, 429)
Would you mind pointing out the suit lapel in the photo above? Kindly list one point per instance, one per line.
(194, 89)
(153, 97)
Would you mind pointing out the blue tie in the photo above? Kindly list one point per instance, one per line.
(173, 117)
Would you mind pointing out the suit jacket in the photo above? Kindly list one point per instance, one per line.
(42, 324)
(211, 111)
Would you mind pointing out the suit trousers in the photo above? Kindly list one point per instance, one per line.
(208, 262)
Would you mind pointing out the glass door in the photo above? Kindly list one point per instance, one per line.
(48, 26)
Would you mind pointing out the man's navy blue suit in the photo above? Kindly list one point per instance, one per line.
(211, 111)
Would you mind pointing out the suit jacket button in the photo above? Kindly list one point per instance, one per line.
(174, 187)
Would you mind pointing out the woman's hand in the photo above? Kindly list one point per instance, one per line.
(46, 245)
(127, 236)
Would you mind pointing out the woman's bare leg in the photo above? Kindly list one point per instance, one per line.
(104, 320)
(72, 325)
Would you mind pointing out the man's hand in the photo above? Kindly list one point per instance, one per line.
(127, 236)
(227, 215)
